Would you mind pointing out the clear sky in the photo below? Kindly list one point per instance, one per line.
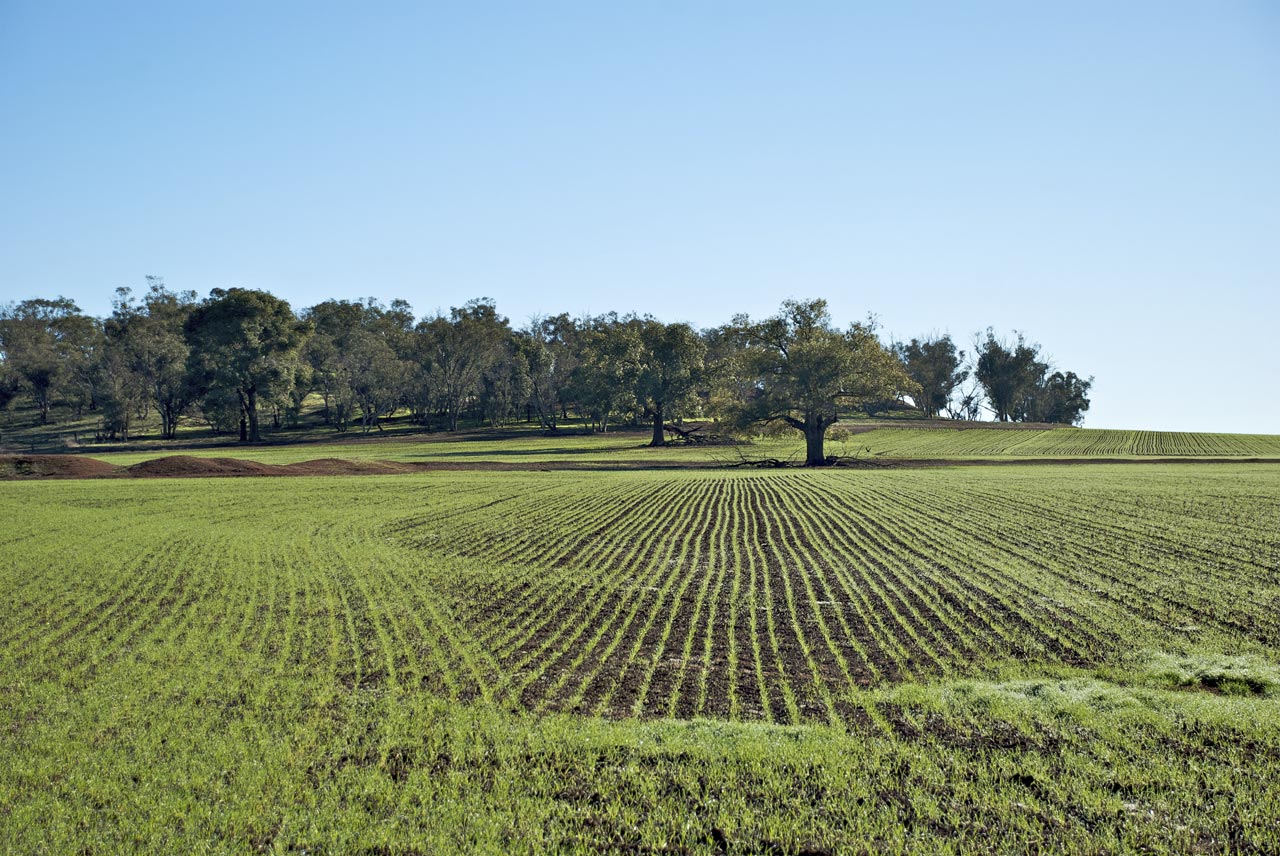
(1104, 176)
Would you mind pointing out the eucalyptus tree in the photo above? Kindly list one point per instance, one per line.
(671, 367)
(609, 357)
(1023, 387)
(1060, 397)
(146, 339)
(244, 347)
(797, 369)
(457, 351)
(936, 367)
(48, 346)
(548, 353)
(356, 359)
(1008, 372)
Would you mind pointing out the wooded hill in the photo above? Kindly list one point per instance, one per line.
(244, 362)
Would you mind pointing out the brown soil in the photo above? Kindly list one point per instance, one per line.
(27, 467)
(182, 466)
(340, 467)
(53, 467)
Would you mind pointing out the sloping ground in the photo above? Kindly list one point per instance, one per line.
(186, 465)
(30, 467)
(246, 666)
(53, 466)
(1061, 442)
(43, 467)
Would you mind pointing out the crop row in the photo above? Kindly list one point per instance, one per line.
(775, 596)
(779, 595)
(1060, 442)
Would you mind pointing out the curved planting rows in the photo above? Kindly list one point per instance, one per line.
(774, 596)
(778, 596)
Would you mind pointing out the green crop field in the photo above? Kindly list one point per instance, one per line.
(523, 447)
(1075, 659)
(1062, 443)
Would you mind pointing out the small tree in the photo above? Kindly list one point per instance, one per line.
(797, 369)
(48, 347)
(671, 367)
(936, 366)
(1008, 373)
(457, 351)
(604, 381)
(1061, 397)
(547, 351)
(147, 341)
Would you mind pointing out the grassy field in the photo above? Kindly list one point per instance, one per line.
(982, 442)
(1075, 659)
(630, 449)
(524, 444)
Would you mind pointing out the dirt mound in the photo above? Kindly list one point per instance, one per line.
(54, 467)
(186, 466)
(342, 467)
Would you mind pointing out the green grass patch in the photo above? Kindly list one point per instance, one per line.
(952, 660)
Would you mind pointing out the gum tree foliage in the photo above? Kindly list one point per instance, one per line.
(1022, 387)
(48, 348)
(240, 352)
(333, 324)
(354, 359)
(1008, 372)
(244, 347)
(1059, 397)
(145, 341)
(505, 385)
(609, 355)
(797, 369)
(671, 368)
(457, 351)
(118, 389)
(937, 367)
(548, 352)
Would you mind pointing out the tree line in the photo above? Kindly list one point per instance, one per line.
(243, 362)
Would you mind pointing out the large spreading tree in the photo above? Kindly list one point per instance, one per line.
(796, 368)
(244, 348)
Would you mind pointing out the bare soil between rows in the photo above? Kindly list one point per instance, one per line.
(40, 467)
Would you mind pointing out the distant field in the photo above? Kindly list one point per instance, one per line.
(1076, 659)
(631, 449)
(441, 447)
(981, 442)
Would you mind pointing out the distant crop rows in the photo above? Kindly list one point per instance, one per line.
(769, 596)
(1062, 442)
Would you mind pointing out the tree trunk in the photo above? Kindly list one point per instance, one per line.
(814, 434)
(659, 436)
(252, 408)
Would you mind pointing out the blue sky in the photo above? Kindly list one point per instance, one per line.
(1104, 176)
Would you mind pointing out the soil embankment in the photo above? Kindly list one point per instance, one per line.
(44, 467)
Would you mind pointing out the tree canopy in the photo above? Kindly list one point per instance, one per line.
(239, 355)
(797, 369)
(244, 349)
